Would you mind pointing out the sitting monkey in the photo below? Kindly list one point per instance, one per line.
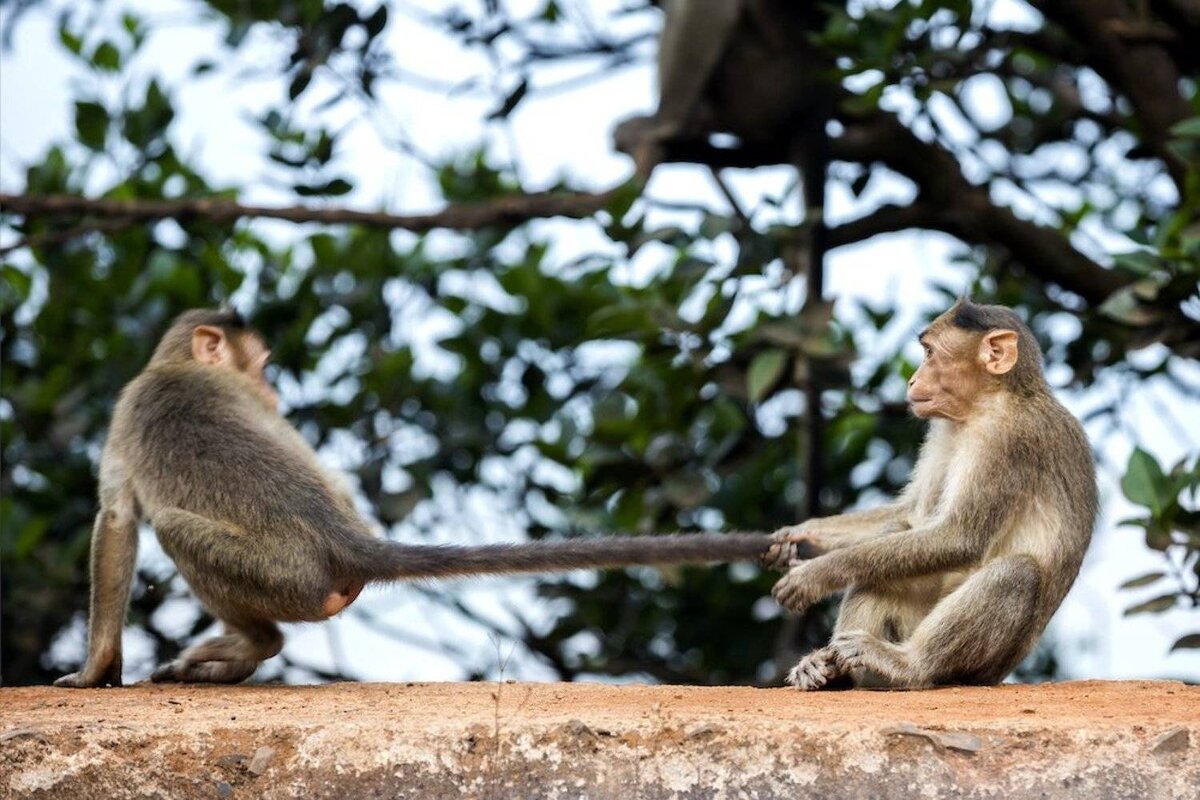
(259, 530)
(955, 580)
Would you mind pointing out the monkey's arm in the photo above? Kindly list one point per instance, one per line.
(844, 529)
(895, 556)
(816, 537)
(114, 553)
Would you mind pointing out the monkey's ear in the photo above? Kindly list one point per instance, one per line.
(998, 351)
(209, 345)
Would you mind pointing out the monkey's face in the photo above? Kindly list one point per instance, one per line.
(244, 353)
(255, 358)
(958, 368)
(947, 381)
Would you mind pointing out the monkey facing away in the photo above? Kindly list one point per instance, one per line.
(954, 581)
(258, 529)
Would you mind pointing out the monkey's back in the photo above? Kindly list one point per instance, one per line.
(198, 440)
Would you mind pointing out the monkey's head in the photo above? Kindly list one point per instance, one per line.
(220, 339)
(973, 351)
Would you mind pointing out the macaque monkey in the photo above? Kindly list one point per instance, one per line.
(741, 67)
(259, 530)
(954, 581)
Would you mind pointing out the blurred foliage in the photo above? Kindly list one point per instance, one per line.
(1172, 527)
(582, 400)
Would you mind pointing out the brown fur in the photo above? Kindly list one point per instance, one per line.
(260, 531)
(955, 581)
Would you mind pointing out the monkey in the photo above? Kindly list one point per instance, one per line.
(258, 529)
(954, 581)
(742, 67)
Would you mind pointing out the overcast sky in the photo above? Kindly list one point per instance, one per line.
(568, 134)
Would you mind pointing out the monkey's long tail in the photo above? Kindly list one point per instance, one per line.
(386, 560)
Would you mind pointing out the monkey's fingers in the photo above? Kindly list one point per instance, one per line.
(779, 557)
(789, 593)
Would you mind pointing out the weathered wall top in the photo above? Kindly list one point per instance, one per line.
(1086, 739)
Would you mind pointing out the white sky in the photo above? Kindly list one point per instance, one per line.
(568, 134)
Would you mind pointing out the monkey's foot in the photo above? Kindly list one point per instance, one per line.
(81, 680)
(848, 648)
(183, 671)
(814, 671)
(90, 675)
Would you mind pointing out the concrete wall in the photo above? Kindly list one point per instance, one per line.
(1089, 740)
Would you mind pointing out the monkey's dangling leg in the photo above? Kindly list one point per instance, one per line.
(229, 658)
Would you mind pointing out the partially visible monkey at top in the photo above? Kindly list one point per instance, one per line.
(953, 582)
(259, 530)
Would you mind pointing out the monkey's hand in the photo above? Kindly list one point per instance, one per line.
(793, 544)
(95, 673)
(803, 585)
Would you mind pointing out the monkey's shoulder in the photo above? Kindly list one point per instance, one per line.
(178, 391)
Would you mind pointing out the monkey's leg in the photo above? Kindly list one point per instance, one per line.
(975, 635)
(114, 551)
(239, 577)
(229, 658)
(861, 609)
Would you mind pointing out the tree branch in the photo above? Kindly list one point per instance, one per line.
(1141, 69)
(499, 212)
(954, 205)
(885, 219)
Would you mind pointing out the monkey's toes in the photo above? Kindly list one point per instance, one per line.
(167, 673)
(76, 680)
(847, 647)
(810, 674)
(88, 679)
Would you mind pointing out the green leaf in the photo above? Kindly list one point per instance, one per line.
(299, 83)
(70, 41)
(1158, 604)
(91, 124)
(1142, 580)
(764, 372)
(1189, 642)
(1188, 129)
(107, 57)
(15, 285)
(1144, 482)
(337, 186)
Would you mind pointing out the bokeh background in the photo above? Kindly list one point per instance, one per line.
(643, 363)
